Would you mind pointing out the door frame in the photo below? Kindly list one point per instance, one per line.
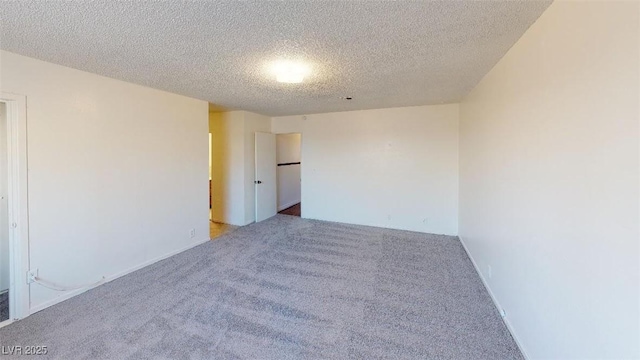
(16, 107)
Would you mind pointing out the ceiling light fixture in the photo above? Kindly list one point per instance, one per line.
(290, 72)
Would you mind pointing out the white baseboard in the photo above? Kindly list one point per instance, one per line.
(288, 205)
(495, 301)
(109, 278)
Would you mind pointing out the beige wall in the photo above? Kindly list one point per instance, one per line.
(549, 183)
(233, 164)
(227, 167)
(394, 168)
(117, 173)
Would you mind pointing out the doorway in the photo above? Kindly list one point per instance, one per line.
(210, 172)
(220, 174)
(14, 228)
(4, 215)
(288, 158)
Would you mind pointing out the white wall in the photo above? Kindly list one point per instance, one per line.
(117, 173)
(549, 182)
(395, 168)
(227, 172)
(4, 202)
(288, 150)
(287, 124)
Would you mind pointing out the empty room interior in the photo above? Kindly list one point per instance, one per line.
(320, 180)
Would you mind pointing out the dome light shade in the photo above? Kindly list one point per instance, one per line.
(290, 72)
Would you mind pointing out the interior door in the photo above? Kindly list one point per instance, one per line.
(4, 203)
(265, 181)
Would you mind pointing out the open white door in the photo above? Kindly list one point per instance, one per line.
(15, 216)
(5, 244)
(265, 181)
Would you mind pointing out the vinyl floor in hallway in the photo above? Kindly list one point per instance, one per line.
(294, 210)
(218, 229)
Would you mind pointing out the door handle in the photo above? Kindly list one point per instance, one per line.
(257, 182)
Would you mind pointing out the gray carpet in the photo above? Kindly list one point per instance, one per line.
(4, 307)
(286, 288)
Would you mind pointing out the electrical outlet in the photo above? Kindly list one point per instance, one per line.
(489, 271)
(192, 233)
(32, 275)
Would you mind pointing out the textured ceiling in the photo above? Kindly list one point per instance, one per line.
(383, 54)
